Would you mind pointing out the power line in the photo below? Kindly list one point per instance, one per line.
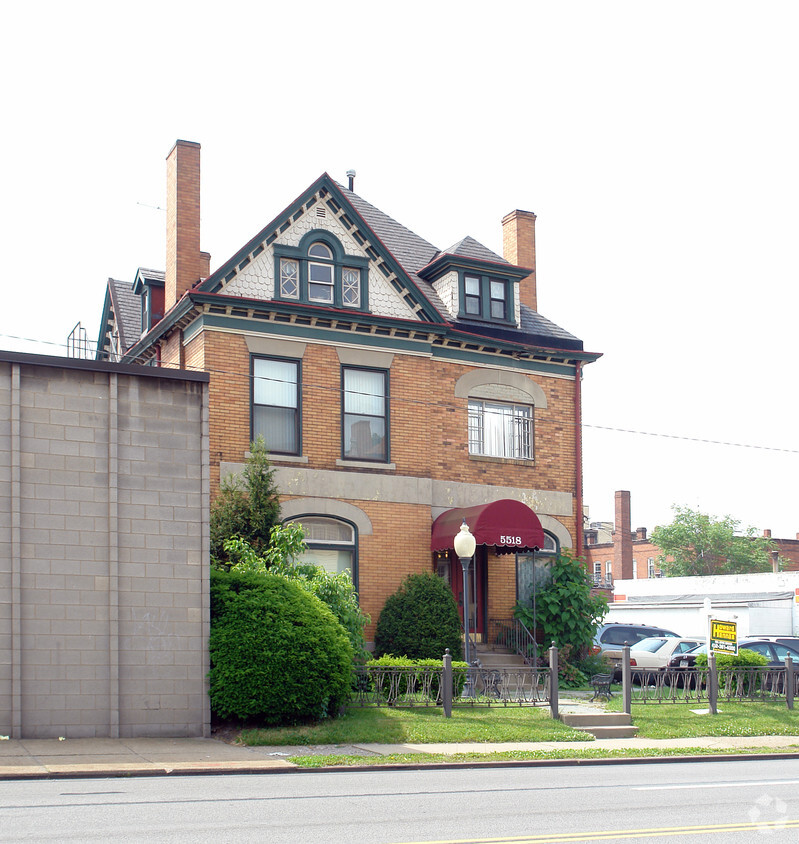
(447, 405)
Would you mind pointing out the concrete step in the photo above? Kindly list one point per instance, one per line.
(590, 719)
(601, 724)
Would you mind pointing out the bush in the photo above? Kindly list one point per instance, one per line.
(566, 610)
(277, 652)
(286, 543)
(594, 664)
(420, 620)
(746, 658)
(421, 666)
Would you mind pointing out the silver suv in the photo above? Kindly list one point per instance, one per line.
(612, 635)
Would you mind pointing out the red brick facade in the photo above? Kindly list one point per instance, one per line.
(436, 361)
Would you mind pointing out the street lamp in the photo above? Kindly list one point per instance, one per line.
(465, 544)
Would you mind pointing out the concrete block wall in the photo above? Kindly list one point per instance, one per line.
(103, 550)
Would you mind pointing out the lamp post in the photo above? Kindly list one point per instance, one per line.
(465, 544)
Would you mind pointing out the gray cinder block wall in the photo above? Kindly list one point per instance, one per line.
(103, 549)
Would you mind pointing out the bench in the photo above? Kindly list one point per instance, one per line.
(601, 685)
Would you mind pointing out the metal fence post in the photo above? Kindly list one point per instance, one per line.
(446, 684)
(626, 680)
(553, 681)
(712, 684)
(789, 681)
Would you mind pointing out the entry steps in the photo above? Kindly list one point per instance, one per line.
(601, 724)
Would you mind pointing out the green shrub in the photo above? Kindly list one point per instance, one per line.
(418, 668)
(746, 658)
(277, 652)
(594, 664)
(420, 620)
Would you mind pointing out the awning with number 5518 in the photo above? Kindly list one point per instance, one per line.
(508, 524)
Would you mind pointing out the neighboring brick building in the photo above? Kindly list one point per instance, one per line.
(613, 551)
(393, 382)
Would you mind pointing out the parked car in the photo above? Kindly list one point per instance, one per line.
(790, 641)
(774, 652)
(651, 653)
(613, 635)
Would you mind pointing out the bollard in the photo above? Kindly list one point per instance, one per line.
(553, 681)
(712, 684)
(446, 684)
(626, 680)
(789, 681)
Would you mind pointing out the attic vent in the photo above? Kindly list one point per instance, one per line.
(320, 211)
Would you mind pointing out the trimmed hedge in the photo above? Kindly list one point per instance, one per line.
(420, 620)
(417, 668)
(277, 652)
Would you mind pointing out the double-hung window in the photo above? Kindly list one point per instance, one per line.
(365, 414)
(486, 298)
(497, 429)
(276, 403)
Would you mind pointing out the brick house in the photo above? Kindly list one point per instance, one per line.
(393, 381)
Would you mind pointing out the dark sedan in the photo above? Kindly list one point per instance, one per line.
(774, 652)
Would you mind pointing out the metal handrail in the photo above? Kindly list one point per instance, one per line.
(513, 634)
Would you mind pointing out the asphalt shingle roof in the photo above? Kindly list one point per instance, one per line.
(127, 309)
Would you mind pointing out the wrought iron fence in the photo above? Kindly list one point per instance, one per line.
(476, 686)
(710, 685)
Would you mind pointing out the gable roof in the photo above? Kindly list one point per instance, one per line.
(123, 307)
(468, 247)
(404, 258)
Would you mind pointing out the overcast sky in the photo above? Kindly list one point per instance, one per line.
(656, 142)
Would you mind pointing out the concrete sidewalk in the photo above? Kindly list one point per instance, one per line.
(46, 758)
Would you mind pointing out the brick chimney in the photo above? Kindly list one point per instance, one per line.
(518, 247)
(622, 538)
(185, 263)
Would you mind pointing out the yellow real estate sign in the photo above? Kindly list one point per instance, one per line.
(723, 637)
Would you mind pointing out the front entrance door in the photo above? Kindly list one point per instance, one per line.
(451, 570)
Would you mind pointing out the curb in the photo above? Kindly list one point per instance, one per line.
(291, 768)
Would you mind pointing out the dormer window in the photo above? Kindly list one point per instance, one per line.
(486, 298)
(319, 272)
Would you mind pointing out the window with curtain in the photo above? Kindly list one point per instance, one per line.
(497, 429)
(365, 414)
(275, 404)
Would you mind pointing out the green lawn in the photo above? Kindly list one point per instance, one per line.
(676, 720)
(423, 725)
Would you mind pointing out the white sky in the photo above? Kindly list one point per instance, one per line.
(656, 142)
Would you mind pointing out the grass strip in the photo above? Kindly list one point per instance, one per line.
(523, 755)
(421, 726)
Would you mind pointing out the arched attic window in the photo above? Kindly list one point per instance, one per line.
(320, 272)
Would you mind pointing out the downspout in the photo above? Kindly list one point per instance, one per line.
(158, 354)
(578, 457)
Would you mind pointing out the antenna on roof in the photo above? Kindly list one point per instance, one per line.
(351, 178)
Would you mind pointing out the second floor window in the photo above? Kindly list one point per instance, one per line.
(365, 414)
(276, 404)
(500, 430)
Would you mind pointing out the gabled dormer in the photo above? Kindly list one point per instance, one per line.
(149, 287)
(475, 284)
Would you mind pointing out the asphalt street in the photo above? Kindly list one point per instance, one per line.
(691, 802)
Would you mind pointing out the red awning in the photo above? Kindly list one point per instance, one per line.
(508, 524)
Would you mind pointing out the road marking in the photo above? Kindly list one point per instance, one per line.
(694, 786)
(614, 834)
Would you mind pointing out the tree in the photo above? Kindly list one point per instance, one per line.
(420, 620)
(247, 505)
(566, 610)
(698, 544)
